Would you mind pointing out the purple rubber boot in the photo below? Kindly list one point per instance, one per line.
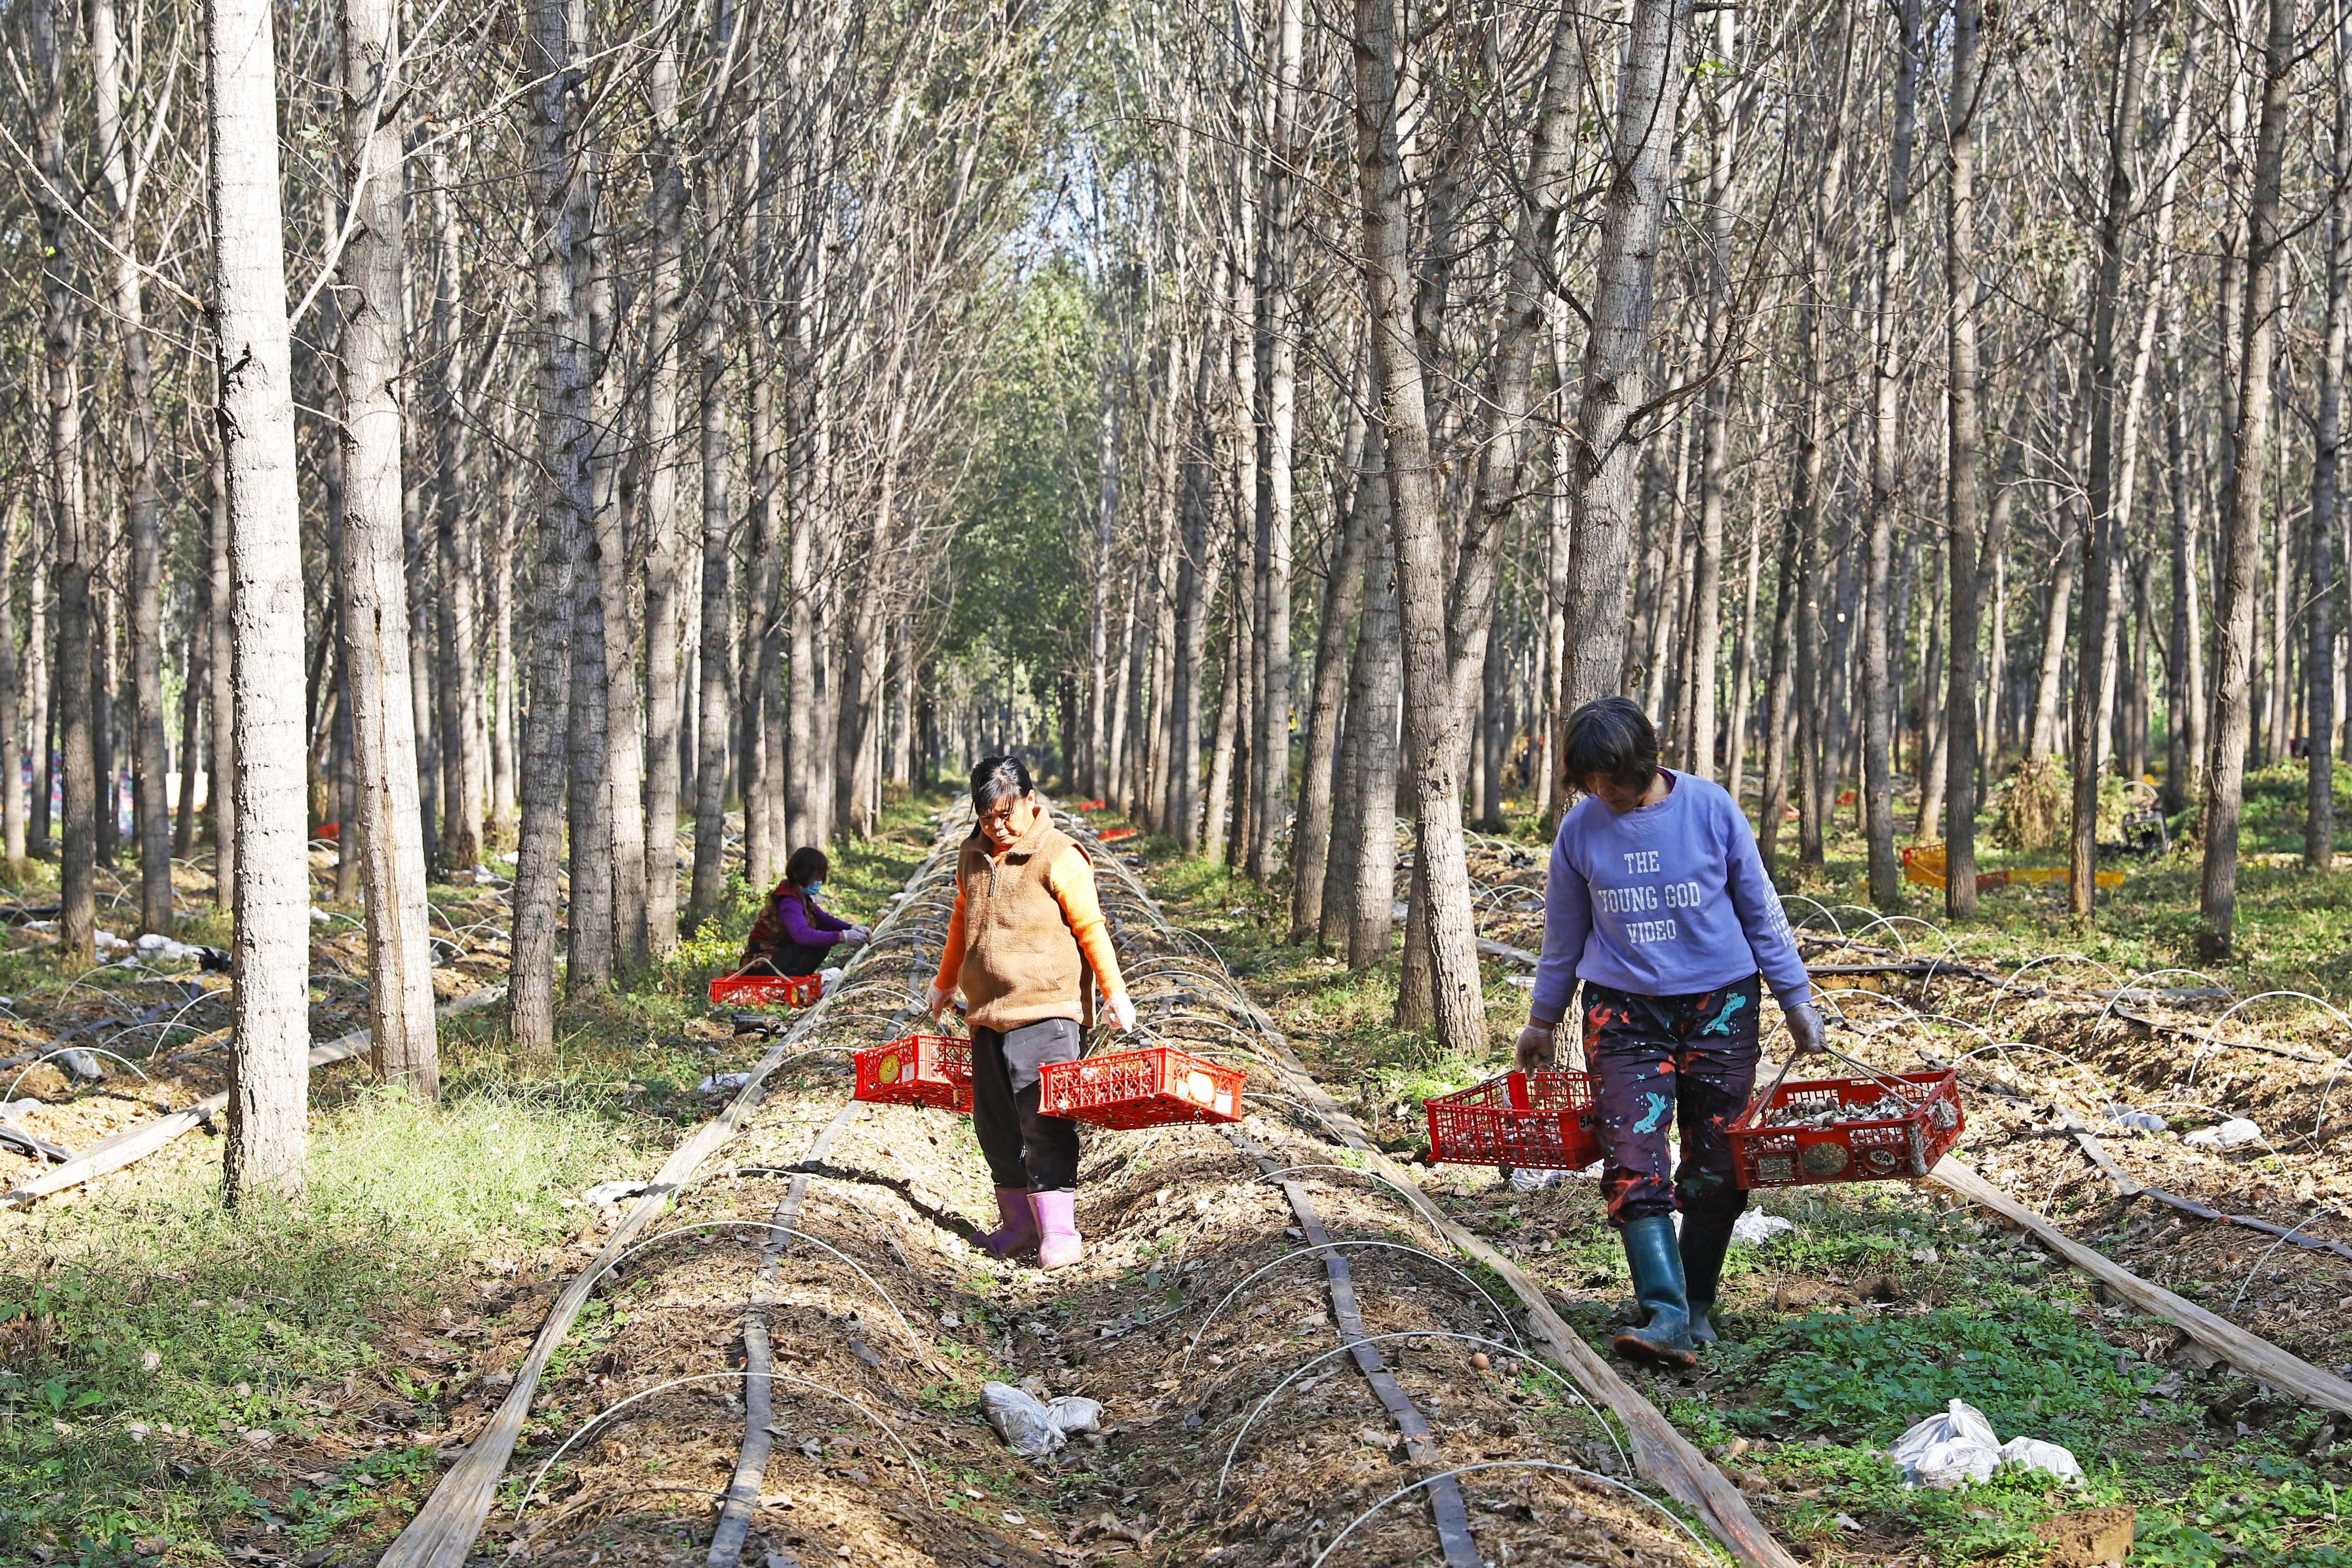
(1019, 1232)
(1059, 1243)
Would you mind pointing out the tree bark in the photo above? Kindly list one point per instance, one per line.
(2095, 667)
(459, 697)
(123, 173)
(1878, 672)
(718, 622)
(218, 788)
(1280, 302)
(401, 1040)
(562, 506)
(1372, 738)
(665, 323)
(61, 343)
(1965, 558)
(2225, 794)
(1714, 461)
(1614, 376)
(268, 1067)
(1343, 590)
(1434, 720)
(2327, 448)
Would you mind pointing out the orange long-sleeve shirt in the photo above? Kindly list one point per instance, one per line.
(1071, 880)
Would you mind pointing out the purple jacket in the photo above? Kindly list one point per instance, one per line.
(1664, 901)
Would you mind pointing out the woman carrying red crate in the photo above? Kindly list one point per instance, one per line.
(1657, 900)
(1026, 930)
(793, 936)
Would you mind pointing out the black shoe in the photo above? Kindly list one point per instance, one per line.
(1664, 1336)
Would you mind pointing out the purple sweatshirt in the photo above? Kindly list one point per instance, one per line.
(1664, 901)
(801, 930)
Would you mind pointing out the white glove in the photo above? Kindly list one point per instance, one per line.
(939, 999)
(1537, 1047)
(855, 936)
(1805, 1031)
(1122, 1011)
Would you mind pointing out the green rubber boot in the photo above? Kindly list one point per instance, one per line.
(1664, 1336)
(1705, 1239)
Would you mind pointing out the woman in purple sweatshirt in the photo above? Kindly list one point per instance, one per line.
(793, 936)
(1658, 902)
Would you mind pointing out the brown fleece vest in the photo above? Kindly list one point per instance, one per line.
(1020, 960)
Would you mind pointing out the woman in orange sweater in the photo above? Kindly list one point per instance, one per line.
(1026, 930)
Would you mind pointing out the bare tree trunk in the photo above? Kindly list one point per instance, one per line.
(268, 1067)
(1221, 750)
(2095, 667)
(419, 556)
(1270, 798)
(1093, 775)
(1965, 554)
(764, 823)
(61, 343)
(593, 916)
(219, 787)
(717, 654)
(459, 697)
(391, 857)
(1343, 586)
(2327, 448)
(1434, 721)
(1715, 461)
(2225, 794)
(39, 665)
(194, 661)
(1878, 673)
(562, 443)
(1372, 738)
(502, 619)
(121, 180)
(12, 718)
(664, 323)
(1743, 663)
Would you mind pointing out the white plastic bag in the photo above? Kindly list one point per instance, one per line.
(1033, 1426)
(2226, 1135)
(1754, 1227)
(2033, 1454)
(826, 980)
(2131, 1121)
(1945, 1451)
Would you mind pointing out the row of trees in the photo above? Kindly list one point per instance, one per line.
(1290, 415)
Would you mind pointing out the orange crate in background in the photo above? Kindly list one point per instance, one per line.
(916, 1070)
(1149, 1087)
(766, 990)
(1529, 1121)
(1899, 1148)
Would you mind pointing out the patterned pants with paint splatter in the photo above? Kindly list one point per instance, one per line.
(1664, 1065)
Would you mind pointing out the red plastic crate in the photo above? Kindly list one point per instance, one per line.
(1088, 806)
(766, 990)
(916, 1070)
(1895, 1149)
(1152, 1088)
(1529, 1121)
(1113, 835)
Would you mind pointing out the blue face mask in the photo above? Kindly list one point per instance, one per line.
(813, 888)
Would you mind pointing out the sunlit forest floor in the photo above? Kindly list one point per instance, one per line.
(283, 1384)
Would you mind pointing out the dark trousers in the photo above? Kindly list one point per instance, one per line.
(1665, 1064)
(1023, 1148)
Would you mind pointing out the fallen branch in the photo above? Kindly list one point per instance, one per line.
(135, 1144)
(2250, 1353)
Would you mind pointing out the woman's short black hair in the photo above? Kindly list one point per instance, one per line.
(1613, 737)
(995, 778)
(807, 865)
